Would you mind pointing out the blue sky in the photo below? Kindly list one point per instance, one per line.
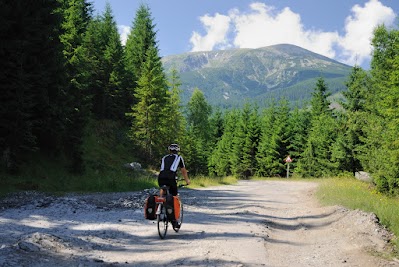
(339, 29)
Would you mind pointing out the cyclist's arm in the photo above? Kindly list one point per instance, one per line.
(185, 175)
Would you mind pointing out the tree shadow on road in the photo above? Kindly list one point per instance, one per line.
(202, 207)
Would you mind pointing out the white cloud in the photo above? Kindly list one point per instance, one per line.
(263, 28)
(123, 32)
(264, 25)
(359, 28)
(216, 30)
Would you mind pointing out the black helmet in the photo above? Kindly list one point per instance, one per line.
(174, 147)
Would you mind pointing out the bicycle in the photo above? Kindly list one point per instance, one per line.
(162, 217)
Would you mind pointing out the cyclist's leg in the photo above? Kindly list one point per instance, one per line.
(161, 182)
(173, 188)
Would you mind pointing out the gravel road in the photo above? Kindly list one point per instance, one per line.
(252, 223)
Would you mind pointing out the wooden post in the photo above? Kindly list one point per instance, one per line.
(288, 169)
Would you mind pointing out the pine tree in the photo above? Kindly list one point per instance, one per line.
(347, 149)
(149, 128)
(142, 37)
(252, 139)
(216, 122)
(319, 101)
(175, 119)
(381, 122)
(77, 15)
(316, 158)
(282, 135)
(219, 162)
(245, 142)
(275, 141)
(152, 101)
(195, 153)
(298, 128)
(198, 113)
(106, 66)
(267, 150)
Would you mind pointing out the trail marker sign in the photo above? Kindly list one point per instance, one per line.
(288, 159)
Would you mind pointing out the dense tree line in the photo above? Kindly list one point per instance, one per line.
(361, 135)
(64, 67)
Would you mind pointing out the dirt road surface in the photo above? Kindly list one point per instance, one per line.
(252, 223)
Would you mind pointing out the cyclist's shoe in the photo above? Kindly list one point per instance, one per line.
(176, 225)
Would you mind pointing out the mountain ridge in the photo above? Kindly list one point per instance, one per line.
(228, 76)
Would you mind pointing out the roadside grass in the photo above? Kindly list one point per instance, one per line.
(205, 181)
(113, 180)
(58, 181)
(106, 149)
(355, 194)
(291, 178)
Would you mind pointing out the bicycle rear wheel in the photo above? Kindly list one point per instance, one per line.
(162, 222)
(180, 219)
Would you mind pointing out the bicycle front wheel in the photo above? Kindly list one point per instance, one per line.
(162, 222)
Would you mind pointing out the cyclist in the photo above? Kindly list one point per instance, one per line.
(169, 165)
(167, 175)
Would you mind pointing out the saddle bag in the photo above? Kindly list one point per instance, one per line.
(172, 207)
(150, 208)
(176, 203)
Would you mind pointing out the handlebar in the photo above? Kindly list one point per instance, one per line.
(178, 179)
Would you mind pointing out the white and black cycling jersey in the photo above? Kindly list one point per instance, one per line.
(169, 165)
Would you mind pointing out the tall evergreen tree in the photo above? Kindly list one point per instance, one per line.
(282, 135)
(347, 149)
(219, 162)
(316, 158)
(77, 15)
(107, 71)
(245, 142)
(141, 38)
(275, 141)
(149, 127)
(198, 114)
(267, 150)
(298, 128)
(152, 100)
(216, 122)
(175, 119)
(381, 129)
(319, 101)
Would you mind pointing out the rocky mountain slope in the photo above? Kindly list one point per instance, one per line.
(227, 77)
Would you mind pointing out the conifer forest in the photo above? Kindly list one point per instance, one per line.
(65, 69)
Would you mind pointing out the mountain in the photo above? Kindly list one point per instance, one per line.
(228, 77)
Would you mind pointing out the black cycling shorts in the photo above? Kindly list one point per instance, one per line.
(168, 182)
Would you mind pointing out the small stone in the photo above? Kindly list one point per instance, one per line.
(28, 246)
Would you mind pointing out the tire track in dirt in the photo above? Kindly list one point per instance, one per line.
(253, 223)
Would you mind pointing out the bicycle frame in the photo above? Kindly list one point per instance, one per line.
(162, 218)
(159, 200)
